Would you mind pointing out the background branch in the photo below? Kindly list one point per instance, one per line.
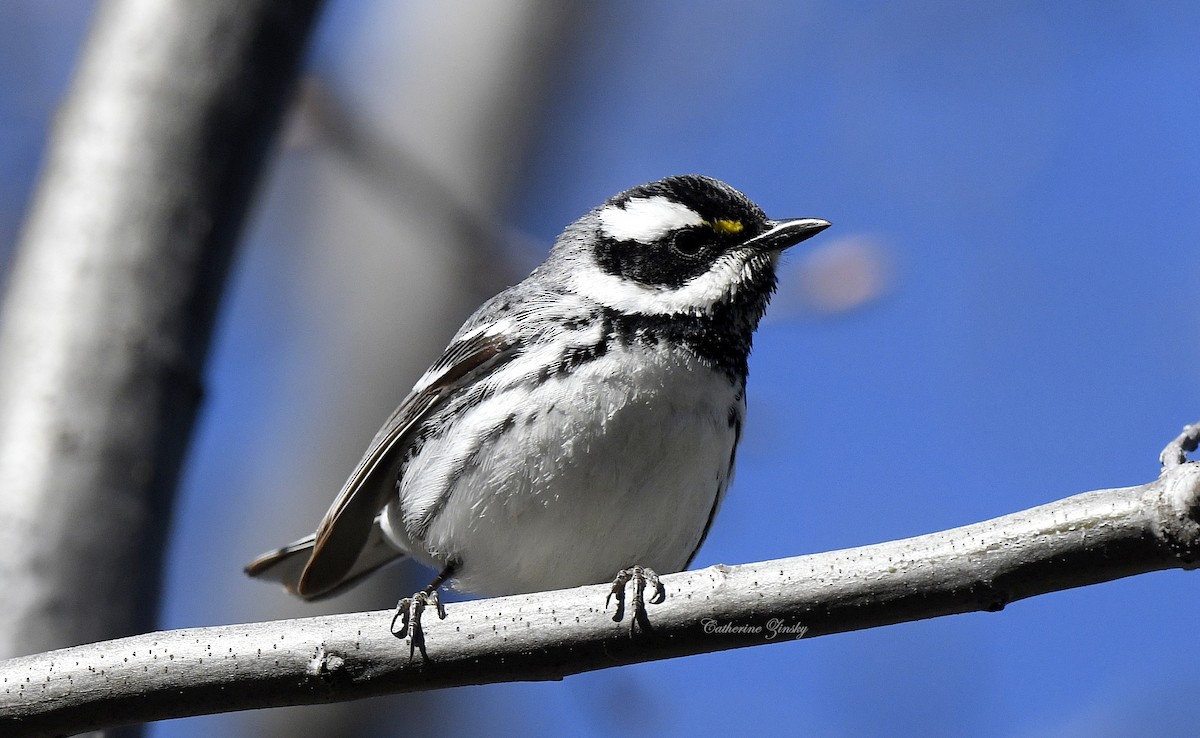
(1085, 539)
(109, 309)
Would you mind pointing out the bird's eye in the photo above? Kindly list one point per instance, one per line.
(688, 242)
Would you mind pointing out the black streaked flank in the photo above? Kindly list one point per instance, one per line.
(421, 528)
(734, 418)
(712, 515)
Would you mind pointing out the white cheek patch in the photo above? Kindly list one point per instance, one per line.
(646, 219)
(697, 295)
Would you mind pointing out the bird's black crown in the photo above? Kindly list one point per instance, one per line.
(712, 199)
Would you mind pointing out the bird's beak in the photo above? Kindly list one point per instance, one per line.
(783, 234)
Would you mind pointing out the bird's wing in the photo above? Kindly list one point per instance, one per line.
(347, 525)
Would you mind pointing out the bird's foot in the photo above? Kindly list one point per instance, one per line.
(409, 611)
(640, 576)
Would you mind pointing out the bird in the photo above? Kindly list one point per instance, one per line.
(581, 426)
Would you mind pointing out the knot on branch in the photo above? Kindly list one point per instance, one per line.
(1180, 496)
(325, 665)
(1175, 454)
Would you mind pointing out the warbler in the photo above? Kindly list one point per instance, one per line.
(582, 424)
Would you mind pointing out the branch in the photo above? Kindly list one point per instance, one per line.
(1092, 537)
(108, 312)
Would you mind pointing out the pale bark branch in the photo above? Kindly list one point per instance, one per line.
(109, 308)
(1085, 539)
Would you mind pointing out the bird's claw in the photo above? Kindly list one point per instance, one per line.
(640, 576)
(409, 611)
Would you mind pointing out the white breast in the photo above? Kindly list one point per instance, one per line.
(565, 482)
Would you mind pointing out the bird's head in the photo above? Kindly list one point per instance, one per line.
(682, 245)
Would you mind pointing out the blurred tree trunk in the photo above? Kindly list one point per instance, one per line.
(107, 316)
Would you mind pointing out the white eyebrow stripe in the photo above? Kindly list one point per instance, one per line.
(646, 219)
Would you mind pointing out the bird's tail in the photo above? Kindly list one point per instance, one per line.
(284, 565)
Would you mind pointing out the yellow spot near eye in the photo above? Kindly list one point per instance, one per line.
(724, 225)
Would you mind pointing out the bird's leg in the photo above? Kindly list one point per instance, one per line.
(640, 576)
(409, 610)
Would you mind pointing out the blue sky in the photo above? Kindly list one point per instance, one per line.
(1029, 170)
